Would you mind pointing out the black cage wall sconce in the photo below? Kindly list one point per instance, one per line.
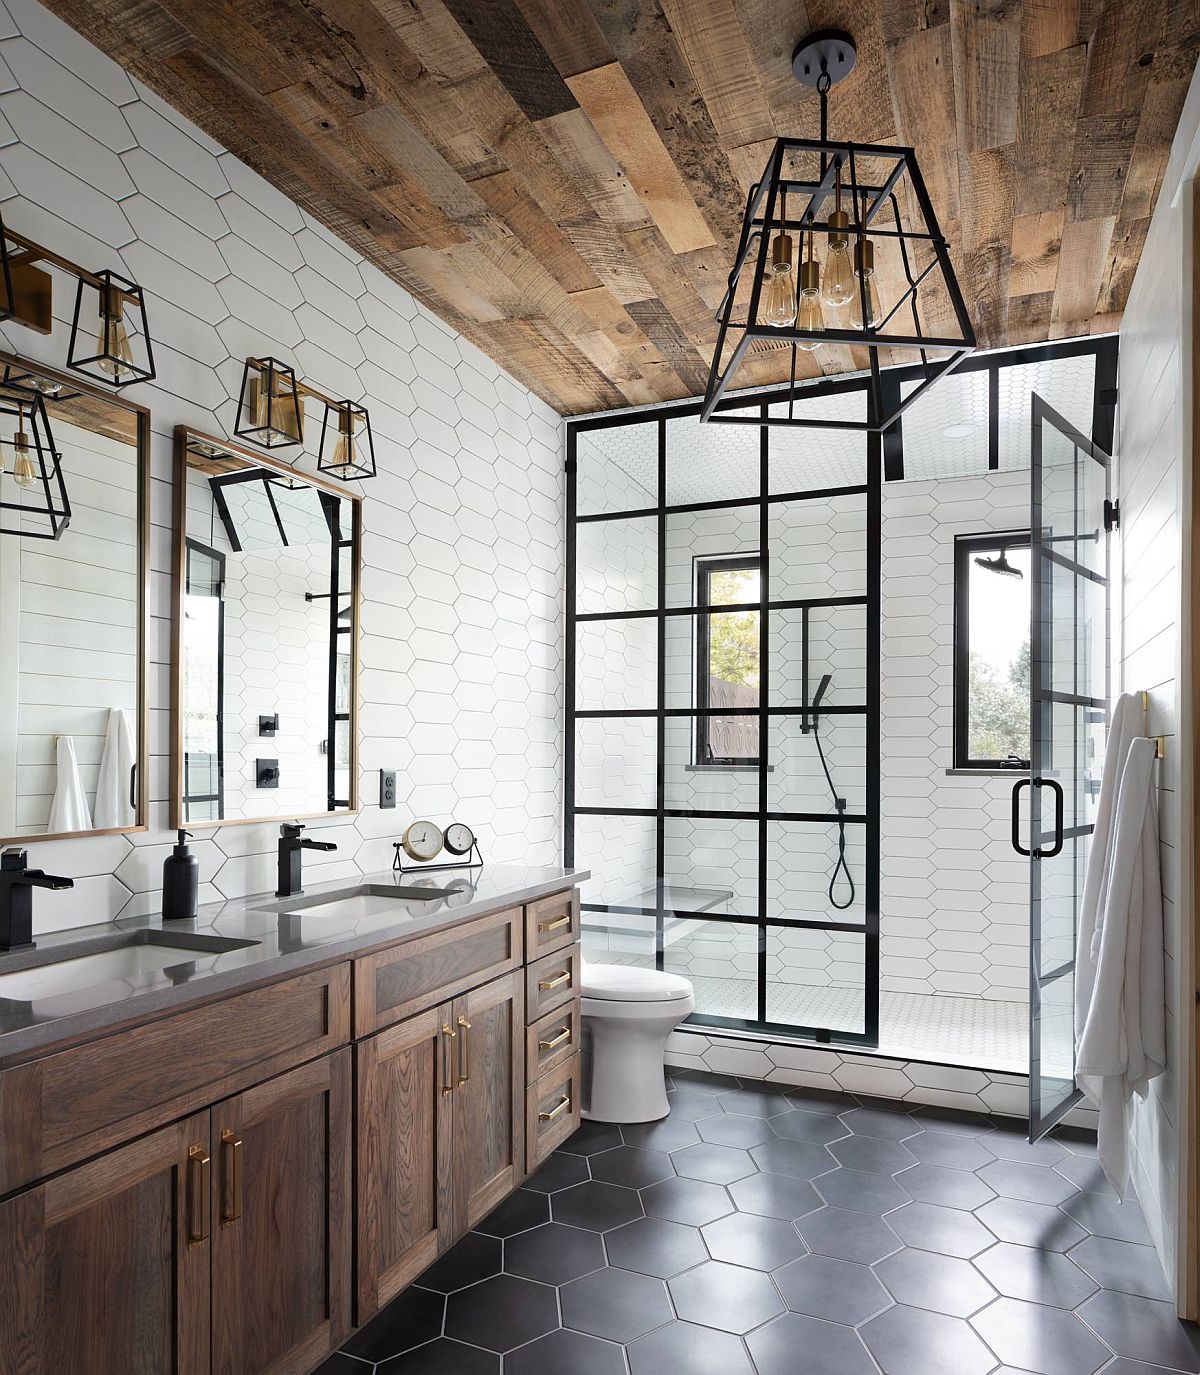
(110, 332)
(33, 494)
(886, 285)
(271, 413)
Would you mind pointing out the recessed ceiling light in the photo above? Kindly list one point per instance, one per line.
(962, 431)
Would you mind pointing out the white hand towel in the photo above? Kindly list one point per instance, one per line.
(113, 788)
(69, 809)
(1122, 1037)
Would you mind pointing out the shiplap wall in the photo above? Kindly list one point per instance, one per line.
(463, 557)
(1154, 482)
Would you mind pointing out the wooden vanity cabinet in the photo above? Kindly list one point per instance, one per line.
(441, 1127)
(107, 1267)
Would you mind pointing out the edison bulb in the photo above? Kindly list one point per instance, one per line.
(24, 473)
(837, 283)
(810, 318)
(344, 458)
(113, 340)
(864, 309)
(780, 308)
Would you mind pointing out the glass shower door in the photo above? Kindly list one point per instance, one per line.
(1069, 667)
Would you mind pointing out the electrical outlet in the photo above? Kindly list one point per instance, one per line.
(387, 788)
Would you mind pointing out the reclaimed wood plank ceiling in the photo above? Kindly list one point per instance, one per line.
(563, 180)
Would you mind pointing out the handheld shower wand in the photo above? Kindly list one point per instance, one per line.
(839, 803)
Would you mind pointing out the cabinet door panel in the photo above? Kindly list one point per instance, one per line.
(106, 1268)
(405, 1101)
(281, 1222)
(489, 1097)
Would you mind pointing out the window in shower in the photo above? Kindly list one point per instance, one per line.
(727, 661)
(991, 651)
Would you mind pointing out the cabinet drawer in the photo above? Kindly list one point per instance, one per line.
(551, 923)
(406, 979)
(552, 981)
(552, 1039)
(552, 1112)
(66, 1107)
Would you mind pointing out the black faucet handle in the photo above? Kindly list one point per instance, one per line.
(14, 859)
(290, 830)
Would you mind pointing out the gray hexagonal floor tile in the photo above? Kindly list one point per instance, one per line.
(803, 1159)
(501, 1314)
(617, 1304)
(725, 1296)
(631, 1166)
(828, 1348)
(440, 1357)
(943, 1284)
(413, 1318)
(654, 1246)
(1029, 1183)
(691, 1201)
(669, 1134)
(775, 1195)
(836, 1290)
(759, 1243)
(818, 1128)
(683, 1348)
(757, 1101)
(1030, 1224)
(1143, 1329)
(948, 1231)
(714, 1163)
(1105, 1215)
(563, 1350)
(848, 1235)
(476, 1257)
(950, 1188)
(553, 1254)
(861, 1192)
(871, 1154)
(734, 1129)
(955, 1152)
(559, 1172)
(1122, 1265)
(517, 1213)
(1045, 1340)
(596, 1206)
(889, 1124)
(592, 1137)
(912, 1341)
(1024, 1272)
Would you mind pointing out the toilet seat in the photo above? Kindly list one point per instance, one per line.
(620, 983)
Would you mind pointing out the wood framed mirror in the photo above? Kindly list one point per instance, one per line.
(74, 584)
(265, 645)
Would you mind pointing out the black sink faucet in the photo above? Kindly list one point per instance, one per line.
(290, 844)
(17, 882)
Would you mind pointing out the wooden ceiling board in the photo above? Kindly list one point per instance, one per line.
(563, 180)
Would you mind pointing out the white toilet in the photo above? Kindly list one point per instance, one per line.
(628, 1013)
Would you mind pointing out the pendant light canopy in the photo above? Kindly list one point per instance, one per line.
(33, 495)
(886, 285)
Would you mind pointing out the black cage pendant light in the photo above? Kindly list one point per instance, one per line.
(33, 494)
(110, 335)
(886, 284)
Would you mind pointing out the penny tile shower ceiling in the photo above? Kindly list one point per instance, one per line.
(563, 180)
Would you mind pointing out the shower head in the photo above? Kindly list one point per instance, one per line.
(1000, 565)
(822, 686)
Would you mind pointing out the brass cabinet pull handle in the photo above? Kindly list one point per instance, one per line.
(556, 924)
(557, 1111)
(464, 1051)
(199, 1199)
(563, 1035)
(231, 1170)
(555, 980)
(448, 1034)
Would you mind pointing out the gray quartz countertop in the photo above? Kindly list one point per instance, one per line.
(283, 943)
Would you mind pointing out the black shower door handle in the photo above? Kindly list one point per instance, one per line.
(1016, 816)
(1056, 788)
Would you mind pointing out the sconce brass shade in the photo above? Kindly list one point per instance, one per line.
(111, 343)
(347, 447)
(269, 408)
(33, 494)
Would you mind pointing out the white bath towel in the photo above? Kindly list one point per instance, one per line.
(69, 810)
(113, 806)
(1120, 989)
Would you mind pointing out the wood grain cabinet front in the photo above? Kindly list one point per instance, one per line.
(282, 1230)
(552, 1113)
(106, 1267)
(551, 923)
(553, 980)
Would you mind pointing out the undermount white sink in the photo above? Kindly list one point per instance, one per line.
(130, 960)
(366, 901)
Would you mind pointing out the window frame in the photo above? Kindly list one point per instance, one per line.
(187, 796)
(966, 549)
(704, 565)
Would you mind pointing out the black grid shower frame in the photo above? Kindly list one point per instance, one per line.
(868, 928)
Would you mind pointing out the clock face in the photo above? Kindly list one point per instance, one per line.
(459, 838)
(423, 840)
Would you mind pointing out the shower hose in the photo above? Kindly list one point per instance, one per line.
(841, 867)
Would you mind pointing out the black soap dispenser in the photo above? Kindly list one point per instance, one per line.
(181, 882)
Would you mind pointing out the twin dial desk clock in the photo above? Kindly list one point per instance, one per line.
(423, 841)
